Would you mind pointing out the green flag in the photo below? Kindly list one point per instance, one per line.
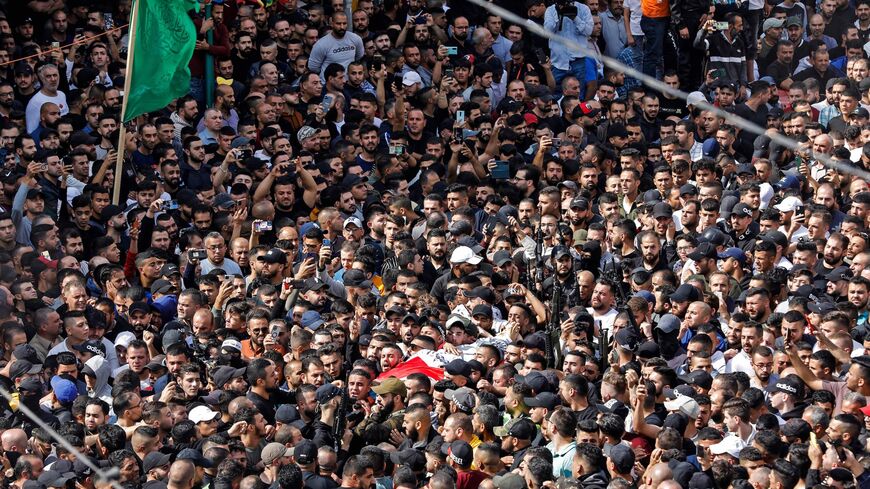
(162, 44)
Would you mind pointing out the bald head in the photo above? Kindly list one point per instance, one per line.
(657, 474)
(239, 403)
(14, 440)
(181, 475)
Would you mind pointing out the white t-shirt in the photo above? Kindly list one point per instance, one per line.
(35, 105)
(634, 21)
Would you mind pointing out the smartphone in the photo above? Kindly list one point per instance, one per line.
(197, 254)
(55, 45)
(557, 143)
(327, 243)
(312, 256)
(43, 167)
(720, 26)
(263, 226)
(449, 73)
(540, 54)
(79, 31)
(719, 73)
(468, 133)
(108, 20)
(327, 102)
(420, 19)
(244, 154)
(501, 170)
(396, 149)
(169, 206)
(460, 116)
(274, 332)
(286, 283)
(699, 452)
(452, 50)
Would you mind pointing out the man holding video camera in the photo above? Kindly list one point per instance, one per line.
(572, 20)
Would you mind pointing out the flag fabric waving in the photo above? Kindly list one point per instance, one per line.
(162, 43)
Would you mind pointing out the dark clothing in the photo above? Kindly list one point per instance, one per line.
(196, 178)
(570, 292)
(822, 78)
(265, 406)
(315, 481)
(779, 71)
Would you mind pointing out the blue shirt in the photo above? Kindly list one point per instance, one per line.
(576, 29)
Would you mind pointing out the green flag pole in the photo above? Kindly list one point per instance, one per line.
(122, 134)
(208, 74)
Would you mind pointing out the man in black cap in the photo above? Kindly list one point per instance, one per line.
(563, 265)
(517, 438)
(788, 397)
(743, 228)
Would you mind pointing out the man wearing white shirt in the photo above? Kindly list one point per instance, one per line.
(602, 306)
(750, 337)
(49, 78)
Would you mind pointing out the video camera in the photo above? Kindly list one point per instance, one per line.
(566, 8)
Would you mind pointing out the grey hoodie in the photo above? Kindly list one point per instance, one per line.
(101, 369)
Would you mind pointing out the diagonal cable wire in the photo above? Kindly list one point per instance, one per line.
(661, 87)
(107, 475)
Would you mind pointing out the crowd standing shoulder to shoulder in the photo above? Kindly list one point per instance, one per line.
(407, 244)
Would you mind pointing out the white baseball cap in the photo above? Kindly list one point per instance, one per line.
(789, 204)
(411, 78)
(123, 339)
(464, 254)
(202, 413)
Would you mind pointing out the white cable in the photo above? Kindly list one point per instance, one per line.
(110, 475)
(661, 87)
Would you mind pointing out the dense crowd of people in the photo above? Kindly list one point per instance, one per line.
(404, 244)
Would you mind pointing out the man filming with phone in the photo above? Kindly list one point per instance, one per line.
(725, 47)
(572, 20)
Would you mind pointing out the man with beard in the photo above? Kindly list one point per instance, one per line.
(339, 46)
(230, 379)
(106, 126)
(272, 271)
(417, 426)
(704, 256)
(762, 375)
(602, 301)
(563, 277)
(25, 83)
(369, 142)
(49, 114)
(389, 408)
(622, 242)
(143, 157)
(651, 251)
(435, 264)
(258, 327)
(264, 392)
(858, 293)
(579, 214)
(832, 255)
(743, 228)
(185, 115)
(750, 337)
(195, 173)
(170, 173)
(244, 56)
(758, 304)
(49, 79)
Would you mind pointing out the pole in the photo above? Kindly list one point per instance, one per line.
(122, 134)
(208, 74)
